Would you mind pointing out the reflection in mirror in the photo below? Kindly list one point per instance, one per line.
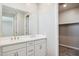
(20, 23)
(27, 25)
(7, 26)
(14, 22)
(7, 22)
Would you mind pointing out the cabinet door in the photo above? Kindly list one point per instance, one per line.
(30, 51)
(10, 53)
(18, 52)
(37, 50)
(43, 49)
(22, 52)
(40, 49)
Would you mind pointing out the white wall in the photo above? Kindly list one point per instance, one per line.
(48, 25)
(20, 6)
(69, 16)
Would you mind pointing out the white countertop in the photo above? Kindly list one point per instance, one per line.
(10, 40)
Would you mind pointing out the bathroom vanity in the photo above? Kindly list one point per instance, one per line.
(23, 46)
(15, 37)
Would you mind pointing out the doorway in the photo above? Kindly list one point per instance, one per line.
(69, 29)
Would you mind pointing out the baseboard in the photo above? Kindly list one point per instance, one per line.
(69, 46)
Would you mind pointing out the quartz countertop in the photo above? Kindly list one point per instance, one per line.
(19, 39)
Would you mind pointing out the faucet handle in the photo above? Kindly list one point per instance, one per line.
(15, 38)
(11, 38)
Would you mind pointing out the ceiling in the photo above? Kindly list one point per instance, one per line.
(69, 6)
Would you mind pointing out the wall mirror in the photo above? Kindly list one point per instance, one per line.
(14, 22)
(8, 21)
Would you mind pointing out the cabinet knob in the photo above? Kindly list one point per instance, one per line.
(30, 50)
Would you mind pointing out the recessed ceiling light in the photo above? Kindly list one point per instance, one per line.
(64, 5)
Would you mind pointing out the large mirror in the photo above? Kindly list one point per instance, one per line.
(22, 23)
(8, 20)
(14, 22)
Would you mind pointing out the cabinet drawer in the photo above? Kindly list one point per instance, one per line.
(37, 50)
(10, 53)
(30, 51)
(30, 43)
(40, 41)
(18, 52)
(13, 47)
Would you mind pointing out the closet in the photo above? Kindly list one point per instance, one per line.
(69, 29)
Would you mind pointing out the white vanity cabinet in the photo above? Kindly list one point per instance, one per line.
(40, 47)
(14, 50)
(26, 47)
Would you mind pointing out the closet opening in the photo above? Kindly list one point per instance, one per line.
(69, 29)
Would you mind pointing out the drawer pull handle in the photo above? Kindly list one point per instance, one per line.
(16, 54)
(30, 50)
(40, 47)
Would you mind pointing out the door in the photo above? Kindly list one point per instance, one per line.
(22, 52)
